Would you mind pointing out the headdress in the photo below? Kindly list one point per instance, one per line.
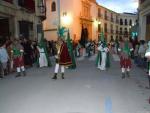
(61, 32)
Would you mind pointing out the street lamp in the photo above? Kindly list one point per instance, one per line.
(66, 19)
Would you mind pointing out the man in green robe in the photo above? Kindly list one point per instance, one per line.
(102, 60)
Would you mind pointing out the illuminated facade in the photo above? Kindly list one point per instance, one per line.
(78, 14)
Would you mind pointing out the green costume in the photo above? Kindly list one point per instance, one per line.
(42, 44)
(16, 52)
(71, 53)
(99, 55)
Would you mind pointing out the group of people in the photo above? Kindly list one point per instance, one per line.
(22, 53)
(11, 54)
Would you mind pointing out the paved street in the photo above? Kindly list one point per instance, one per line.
(84, 90)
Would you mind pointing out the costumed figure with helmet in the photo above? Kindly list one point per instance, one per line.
(63, 58)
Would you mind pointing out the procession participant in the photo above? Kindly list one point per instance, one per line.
(102, 60)
(42, 60)
(63, 58)
(147, 55)
(125, 59)
(17, 55)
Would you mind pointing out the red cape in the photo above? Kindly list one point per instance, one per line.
(64, 56)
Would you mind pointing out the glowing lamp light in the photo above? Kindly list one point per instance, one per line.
(96, 22)
(99, 22)
(66, 19)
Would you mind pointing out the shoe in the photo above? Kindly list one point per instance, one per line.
(18, 74)
(123, 75)
(62, 76)
(55, 76)
(128, 74)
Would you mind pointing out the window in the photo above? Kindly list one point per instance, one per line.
(111, 26)
(106, 15)
(130, 22)
(99, 27)
(105, 27)
(85, 10)
(120, 30)
(126, 23)
(99, 12)
(117, 29)
(121, 22)
(112, 17)
(53, 6)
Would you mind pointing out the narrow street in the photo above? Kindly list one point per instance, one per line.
(84, 90)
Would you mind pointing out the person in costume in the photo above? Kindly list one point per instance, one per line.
(17, 55)
(125, 49)
(42, 60)
(77, 50)
(63, 58)
(43, 57)
(102, 60)
(147, 55)
(116, 45)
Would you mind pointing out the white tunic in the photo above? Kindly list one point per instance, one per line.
(42, 59)
(103, 50)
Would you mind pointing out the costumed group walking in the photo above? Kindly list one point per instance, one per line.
(20, 54)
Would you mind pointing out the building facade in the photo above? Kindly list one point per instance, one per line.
(84, 14)
(127, 22)
(21, 18)
(144, 19)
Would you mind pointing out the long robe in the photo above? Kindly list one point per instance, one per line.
(42, 57)
(64, 57)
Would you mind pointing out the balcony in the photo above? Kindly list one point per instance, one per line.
(121, 33)
(117, 32)
(85, 17)
(41, 10)
(100, 16)
(106, 30)
(9, 1)
(126, 33)
(27, 4)
(112, 31)
(106, 17)
(112, 19)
